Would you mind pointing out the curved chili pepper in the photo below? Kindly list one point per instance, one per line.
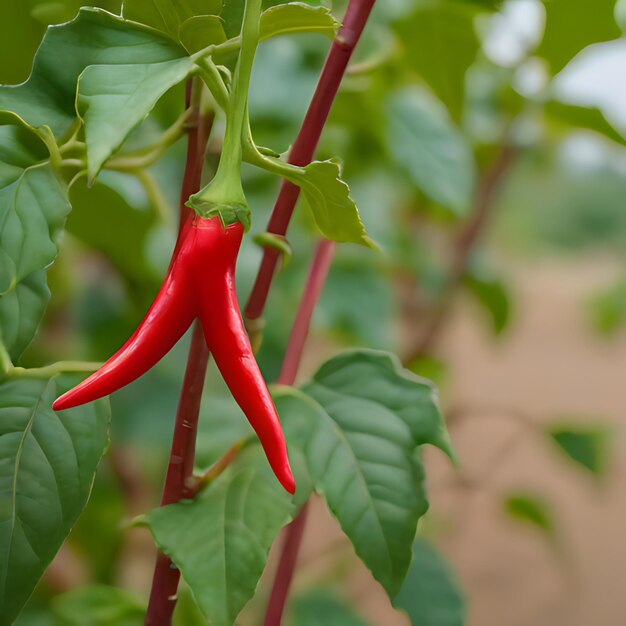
(200, 283)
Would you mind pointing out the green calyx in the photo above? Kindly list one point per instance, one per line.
(224, 195)
(228, 212)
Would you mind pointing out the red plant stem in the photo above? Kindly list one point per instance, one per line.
(301, 154)
(304, 146)
(293, 356)
(286, 568)
(300, 329)
(180, 467)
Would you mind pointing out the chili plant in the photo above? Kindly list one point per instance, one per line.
(352, 433)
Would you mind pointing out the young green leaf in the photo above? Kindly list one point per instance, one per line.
(430, 594)
(430, 149)
(47, 466)
(328, 197)
(297, 17)
(99, 605)
(167, 16)
(113, 99)
(21, 311)
(221, 539)
(201, 31)
(94, 37)
(359, 423)
(33, 202)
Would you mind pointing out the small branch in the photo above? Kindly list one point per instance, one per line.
(52, 370)
(300, 329)
(195, 484)
(145, 157)
(464, 244)
(304, 146)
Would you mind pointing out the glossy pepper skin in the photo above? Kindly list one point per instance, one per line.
(200, 283)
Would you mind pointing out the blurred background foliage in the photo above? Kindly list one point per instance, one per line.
(477, 136)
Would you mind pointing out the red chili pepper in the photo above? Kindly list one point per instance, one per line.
(200, 283)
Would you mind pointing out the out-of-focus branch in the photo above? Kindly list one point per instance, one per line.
(464, 244)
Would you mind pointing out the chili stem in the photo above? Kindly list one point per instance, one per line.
(225, 189)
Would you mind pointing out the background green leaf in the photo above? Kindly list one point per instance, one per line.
(21, 311)
(322, 608)
(572, 25)
(47, 466)
(587, 446)
(531, 509)
(430, 595)
(441, 44)
(33, 200)
(430, 149)
(99, 605)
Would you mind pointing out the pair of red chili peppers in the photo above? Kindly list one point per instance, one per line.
(200, 283)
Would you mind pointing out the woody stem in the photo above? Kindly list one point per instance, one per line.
(166, 577)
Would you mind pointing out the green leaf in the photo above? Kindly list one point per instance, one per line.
(47, 466)
(33, 201)
(430, 595)
(168, 16)
(297, 17)
(198, 32)
(21, 311)
(99, 605)
(220, 540)
(94, 37)
(571, 26)
(620, 14)
(360, 428)
(530, 509)
(589, 118)
(430, 149)
(608, 309)
(232, 14)
(441, 44)
(587, 446)
(328, 197)
(322, 608)
(113, 99)
(484, 283)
